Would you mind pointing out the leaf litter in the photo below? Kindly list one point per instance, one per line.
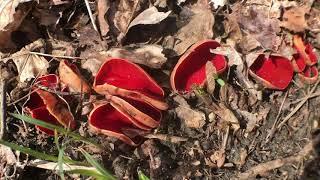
(229, 126)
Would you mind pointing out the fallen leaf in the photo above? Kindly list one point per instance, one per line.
(228, 116)
(122, 13)
(180, 1)
(294, 19)
(30, 65)
(149, 55)
(218, 157)
(211, 73)
(255, 20)
(192, 118)
(254, 119)
(234, 58)
(7, 11)
(218, 3)
(10, 19)
(103, 6)
(149, 16)
(198, 28)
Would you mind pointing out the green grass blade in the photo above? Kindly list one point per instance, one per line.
(142, 176)
(54, 127)
(95, 164)
(38, 154)
(90, 173)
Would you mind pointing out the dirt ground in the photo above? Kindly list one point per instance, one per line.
(238, 129)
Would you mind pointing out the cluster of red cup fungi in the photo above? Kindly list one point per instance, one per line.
(134, 101)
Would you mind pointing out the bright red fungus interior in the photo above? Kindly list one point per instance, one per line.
(276, 70)
(43, 114)
(191, 70)
(126, 75)
(311, 71)
(35, 101)
(145, 108)
(50, 81)
(108, 118)
(311, 53)
(299, 61)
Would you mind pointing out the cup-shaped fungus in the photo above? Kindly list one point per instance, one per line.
(126, 79)
(305, 50)
(309, 75)
(274, 72)
(46, 106)
(190, 69)
(113, 118)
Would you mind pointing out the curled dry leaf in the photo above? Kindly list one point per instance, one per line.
(149, 16)
(10, 20)
(227, 115)
(103, 6)
(148, 55)
(198, 28)
(30, 65)
(123, 12)
(70, 76)
(294, 18)
(192, 118)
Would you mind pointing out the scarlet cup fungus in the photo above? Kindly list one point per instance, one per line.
(309, 75)
(190, 69)
(48, 107)
(305, 50)
(274, 72)
(137, 107)
(126, 79)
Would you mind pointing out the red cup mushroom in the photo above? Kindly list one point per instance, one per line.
(305, 50)
(298, 63)
(113, 118)
(126, 79)
(309, 75)
(48, 107)
(274, 72)
(190, 69)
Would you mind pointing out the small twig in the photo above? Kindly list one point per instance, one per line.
(299, 105)
(165, 137)
(273, 129)
(91, 16)
(3, 107)
(316, 94)
(54, 56)
(270, 165)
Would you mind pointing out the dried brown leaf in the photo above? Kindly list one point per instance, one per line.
(255, 20)
(103, 6)
(149, 55)
(10, 19)
(211, 73)
(294, 19)
(191, 117)
(123, 12)
(228, 116)
(198, 28)
(149, 16)
(30, 65)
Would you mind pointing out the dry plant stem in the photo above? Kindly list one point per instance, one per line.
(53, 166)
(54, 56)
(273, 129)
(316, 94)
(166, 137)
(3, 106)
(267, 166)
(91, 16)
(299, 105)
